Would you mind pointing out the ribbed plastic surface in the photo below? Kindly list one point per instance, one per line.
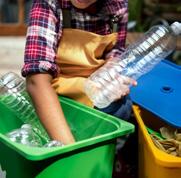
(159, 91)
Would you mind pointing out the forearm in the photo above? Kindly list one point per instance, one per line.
(48, 107)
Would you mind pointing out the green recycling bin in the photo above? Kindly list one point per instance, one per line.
(90, 157)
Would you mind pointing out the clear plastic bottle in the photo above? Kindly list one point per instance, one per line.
(26, 136)
(14, 96)
(53, 143)
(138, 59)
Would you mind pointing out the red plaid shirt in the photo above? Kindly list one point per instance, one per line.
(45, 31)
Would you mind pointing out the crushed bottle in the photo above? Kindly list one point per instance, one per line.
(26, 136)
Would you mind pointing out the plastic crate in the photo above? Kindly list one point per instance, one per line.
(91, 156)
(153, 163)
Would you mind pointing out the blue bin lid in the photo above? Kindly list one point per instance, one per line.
(159, 91)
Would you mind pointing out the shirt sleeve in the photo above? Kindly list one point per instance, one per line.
(41, 40)
(120, 9)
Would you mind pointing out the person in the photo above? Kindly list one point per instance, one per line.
(58, 59)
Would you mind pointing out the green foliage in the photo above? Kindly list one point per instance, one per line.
(135, 10)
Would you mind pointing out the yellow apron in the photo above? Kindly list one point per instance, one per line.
(79, 54)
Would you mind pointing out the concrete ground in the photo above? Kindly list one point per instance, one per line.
(11, 54)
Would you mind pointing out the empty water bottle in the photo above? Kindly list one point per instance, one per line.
(53, 143)
(14, 96)
(138, 59)
(26, 136)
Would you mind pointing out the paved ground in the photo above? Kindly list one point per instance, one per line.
(11, 54)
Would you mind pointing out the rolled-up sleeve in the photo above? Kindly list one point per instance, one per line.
(41, 40)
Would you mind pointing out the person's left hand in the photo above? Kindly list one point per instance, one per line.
(108, 86)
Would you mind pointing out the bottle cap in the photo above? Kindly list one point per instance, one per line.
(176, 28)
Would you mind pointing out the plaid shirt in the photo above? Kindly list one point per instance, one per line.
(45, 31)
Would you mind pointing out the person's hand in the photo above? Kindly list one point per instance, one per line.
(108, 86)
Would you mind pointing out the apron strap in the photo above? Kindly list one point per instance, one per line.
(114, 20)
(66, 18)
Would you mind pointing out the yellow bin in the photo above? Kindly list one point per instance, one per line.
(153, 163)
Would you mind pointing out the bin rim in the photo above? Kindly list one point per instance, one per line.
(37, 153)
(160, 157)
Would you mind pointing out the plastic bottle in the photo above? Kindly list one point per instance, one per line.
(26, 136)
(53, 143)
(14, 96)
(138, 59)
